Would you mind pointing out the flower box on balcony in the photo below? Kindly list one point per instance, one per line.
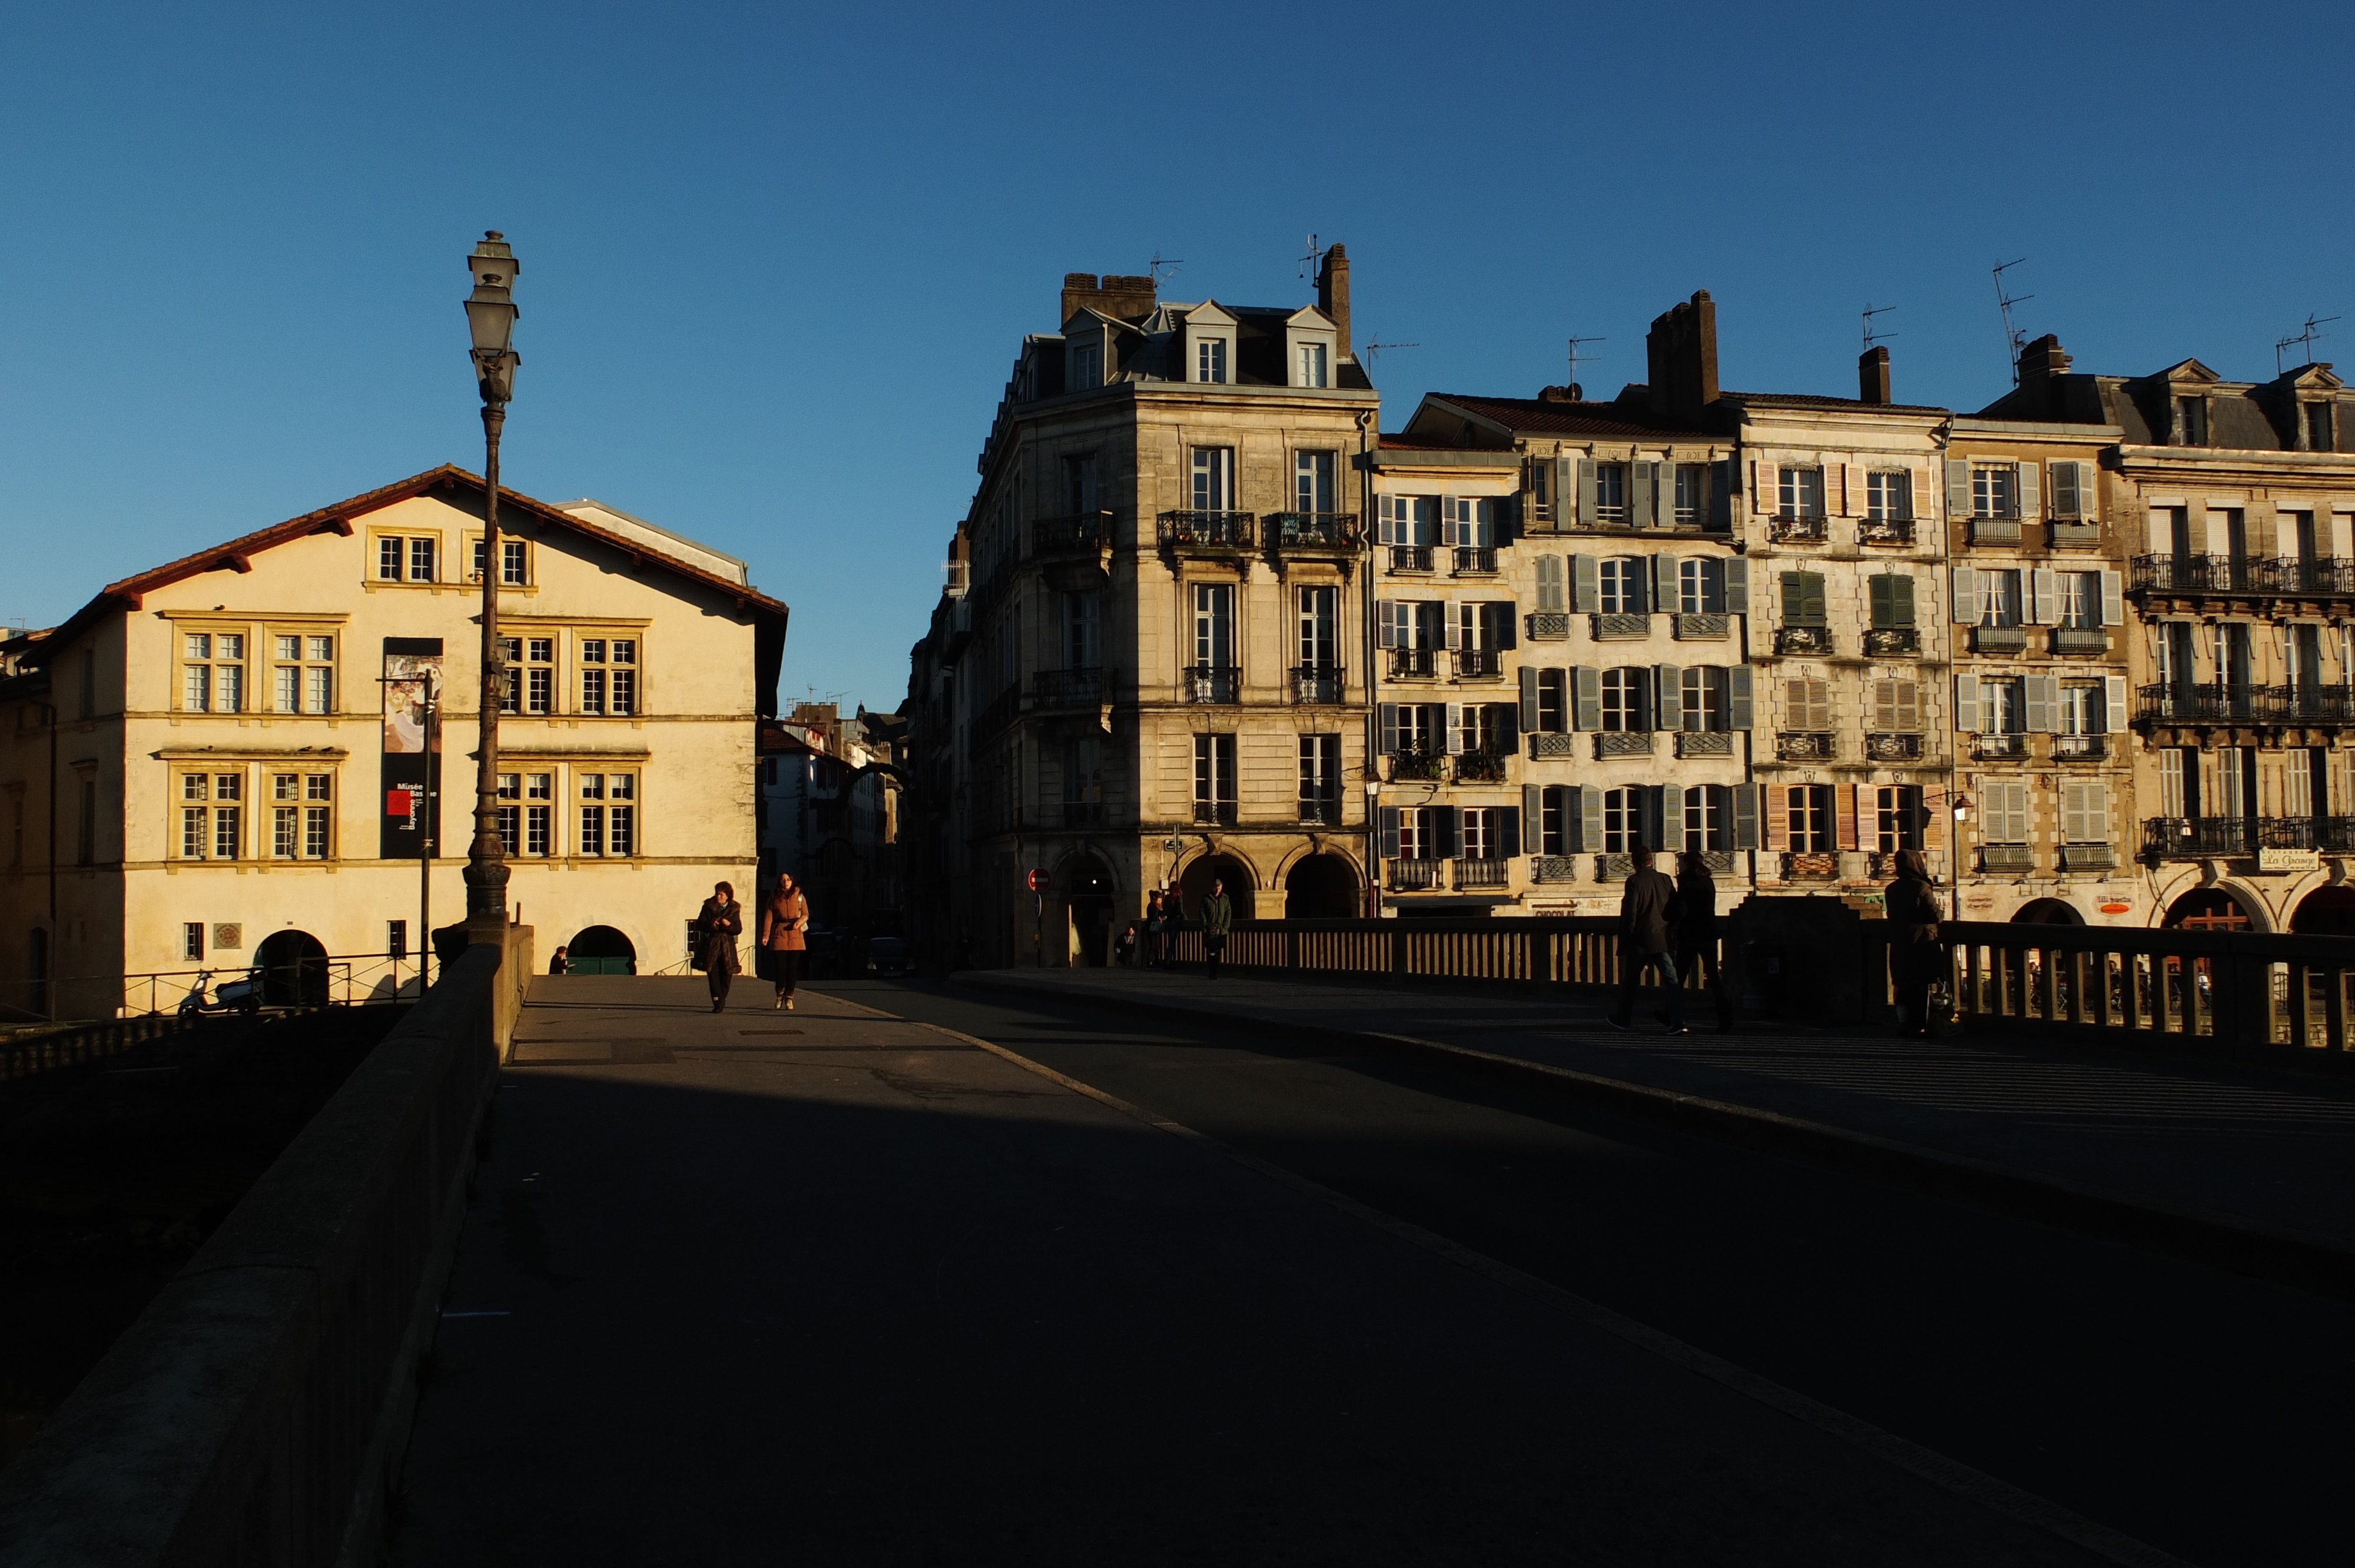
(1803, 640)
(1893, 643)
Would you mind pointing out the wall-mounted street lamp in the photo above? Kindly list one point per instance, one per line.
(491, 314)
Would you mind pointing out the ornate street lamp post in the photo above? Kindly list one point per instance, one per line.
(491, 313)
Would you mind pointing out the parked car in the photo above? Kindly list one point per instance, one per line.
(887, 955)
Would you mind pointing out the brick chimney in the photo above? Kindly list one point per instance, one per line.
(1333, 293)
(2042, 360)
(1872, 374)
(1681, 354)
(1127, 298)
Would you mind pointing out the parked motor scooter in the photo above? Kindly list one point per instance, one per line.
(241, 995)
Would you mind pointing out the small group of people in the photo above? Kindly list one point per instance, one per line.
(784, 922)
(1669, 928)
(1147, 942)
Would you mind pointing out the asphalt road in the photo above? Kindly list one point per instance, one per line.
(2202, 1413)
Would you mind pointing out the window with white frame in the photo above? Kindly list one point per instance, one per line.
(1418, 833)
(592, 655)
(1320, 778)
(1626, 692)
(1623, 820)
(1485, 728)
(1087, 366)
(1889, 495)
(302, 816)
(1482, 833)
(1082, 631)
(1801, 492)
(212, 671)
(1214, 626)
(514, 563)
(1620, 580)
(2003, 705)
(1692, 494)
(1999, 599)
(2085, 708)
(1315, 476)
(531, 675)
(1701, 697)
(212, 816)
(1539, 474)
(1312, 365)
(1214, 479)
(1708, 817)
(2080, 598)
(303, 675)
(1319, 646)
(1701, 586)
(1214, 778)
(1408, 520)
(609, 814)
(1898, 818)
(1809, 809)
(1995, 489)
(1610, 492)
(1210, 360)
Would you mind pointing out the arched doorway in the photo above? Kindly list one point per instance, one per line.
(2047, 912)
(600, 950)
(2325, 912)
(2209, 909)
(294, 969)
(1194, 886)
(1087, 888)
(1320, 888)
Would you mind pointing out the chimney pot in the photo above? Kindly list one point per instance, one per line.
(1872, 374)
(1333, 295)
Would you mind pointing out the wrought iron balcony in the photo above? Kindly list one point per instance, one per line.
(2080, 640)
(1704, 743)
(1080, 688)
(2243, 574)
(2312, 704)
(2181, 838)
(1804, 745)
(1896, 531)
(1811, 866)
(1893, 643)
(1313, 533)
(1319, 684)
(1080, 531)
(1418, 766)
(2088, 857)
(1475, 561)
(2076, 535)
(1220, 812)
(1616, 866)
(1553, 868)
(2002, 745)
(1409, 662)
(1545, 744)
(1803, 640)
(1994, 530)
(1549, 626)
(1476, 661)
(1414, 875)
(1480, 872)
(1999, 640)
(1623, 743)
(1207, 530)
(1479, 767)
(1621, 626)
(1700, 628)
(2079, 748)
(1798, 530)
(1892, 748)
(2007, 857)
(1213, 684)
(1410, 558)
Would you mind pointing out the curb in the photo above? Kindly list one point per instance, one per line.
(2194, 1235)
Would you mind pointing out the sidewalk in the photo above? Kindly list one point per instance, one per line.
(2267, 1155)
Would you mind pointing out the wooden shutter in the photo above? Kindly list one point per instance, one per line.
(1447, 527)
(1795, 597)
(2113, 598)
(1668, 706)
(1449, 820)
(2073, 813)
(1738, 696)
(1901, 600)
(2042, 700)
(1385, 623)
(1503, 632)
(1935, 812)
(1958, 487)
(1664, 585)
(2113, 703)
(1586, 493)
(1647, 818)
(1967, 703)
(1813, 606)
(1966, 607)
(1528, 698)
(1509, 831)
(1551, 598)
(2097, 814)
(1387, 722)
(1450, 625)
(2031, 489)
(1589, 817)
(1389, 829)
(1454, 728)
(1737, 585)
(1565, 491)
(2065, 504)
(1745, 816)
(1585, 586)
(1778, 816)
(1844, 804)
(1672, 819)
(1641, 478)
(1909, 706)
(1586, 702)
(1509, 728)
(1884, 706)
(1533, 812)
(2044, 596)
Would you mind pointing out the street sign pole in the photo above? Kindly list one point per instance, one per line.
(1038, 884)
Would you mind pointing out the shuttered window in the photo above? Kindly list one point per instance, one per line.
(1896, 706)
(1554, 597)
(1803, 600)
(2084, 813)
(1802, 492)
(1891, 596)
(2005, 811)
(1808, 705)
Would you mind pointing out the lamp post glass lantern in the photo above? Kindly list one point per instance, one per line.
(490, 317)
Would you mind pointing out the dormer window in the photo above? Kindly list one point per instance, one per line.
(1210, 360)
(1313, 369)
(2191, 421)
(1087, 365)
(1311, 345)
(2321, 433)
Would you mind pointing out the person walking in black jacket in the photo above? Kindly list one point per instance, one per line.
(1917, 961)
(1648, 911)
(1697, 933)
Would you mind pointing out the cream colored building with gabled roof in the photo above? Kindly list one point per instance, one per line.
(194, 768)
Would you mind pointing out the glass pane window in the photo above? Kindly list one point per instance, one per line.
(1314, 476)
(592, 674)
(2080, 598)
(1411, 520)
(621, 834)
(1610, 492)
(1314, 366)
(1708, 812)
(1210, 360)
(1701, 586)
(2002, 709)
(420, 560)
(1621, 579)
(1320, 640)
(1999, 599)
(513, 562)
(197, 691)
(1993, 486)
(1692, 494)
(1214, 479)
(1703, 698)
(1624, 691)
(1889, 496)
(1802, 492)
(1214, 625)
(387, 559)
(624, 697)
(1812, 831)
(2084, 708)
(1623, 820)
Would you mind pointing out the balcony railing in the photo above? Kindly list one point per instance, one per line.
(1479, 767)
(1999, 640)
(1320, 810)
(2085, 640)
(1414, 875)
(1553, 868)
(1419, 766)
(1994, 530)
(1222, 813)
(2312, 704)
(1312, 531)
(1885, 531)
(1410, 558)
(1479, 662)
(2088, 857)
(1704, 743)
(1213, 684)
(1480, 873)
(1700, 628)
(2179, 838)
(1078, 688)
(1892, 748)
(1546, 743)
(1623, 743)
(2076, 535)
(1804, 745)
(1893, 643)
(1803, 640)
(1412, 662)
(1811, 866)
(1207, 530)
(1796, 530)
(1997, 747)
(2079, 748)
(1080, 531)
(1475, 561)
(1319, 684)
(1620, 626)
(2007, 857)
(2245, 574)
(1549, 626)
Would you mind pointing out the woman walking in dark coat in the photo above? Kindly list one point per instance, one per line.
(1916, 958)
(1697, 933)
(717, 926)
(784, 918)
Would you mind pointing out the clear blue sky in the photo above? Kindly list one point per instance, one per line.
(776, 261)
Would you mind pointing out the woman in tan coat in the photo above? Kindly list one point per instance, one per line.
(783, 920)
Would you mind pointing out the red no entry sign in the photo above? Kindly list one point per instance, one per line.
(1039, 881)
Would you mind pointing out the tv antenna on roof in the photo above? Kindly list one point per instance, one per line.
(1372, 351)
(1871, 336)
(1159, 262)
(1575, 389)
(1308, 262)
(2309, 337)
(2012, 339)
